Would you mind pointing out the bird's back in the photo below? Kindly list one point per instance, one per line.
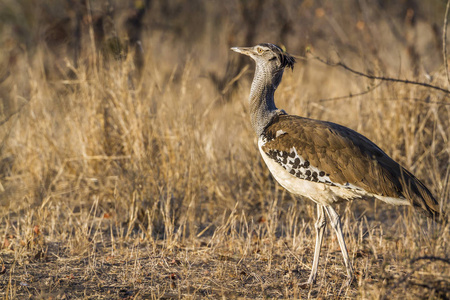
(337, 156)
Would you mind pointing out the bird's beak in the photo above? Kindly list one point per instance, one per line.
(243, 50)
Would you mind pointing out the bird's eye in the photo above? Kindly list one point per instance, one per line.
(260, 50)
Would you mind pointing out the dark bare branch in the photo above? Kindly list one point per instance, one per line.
(369, 90)
(404, 81)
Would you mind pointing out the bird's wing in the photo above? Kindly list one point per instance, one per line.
(343, 157)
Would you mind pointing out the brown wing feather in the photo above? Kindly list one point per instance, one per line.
(348, 157)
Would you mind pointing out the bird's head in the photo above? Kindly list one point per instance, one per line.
(270, 58)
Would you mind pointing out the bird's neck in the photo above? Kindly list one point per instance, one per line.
(262, 105)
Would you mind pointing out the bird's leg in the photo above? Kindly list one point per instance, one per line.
(320, 228)
(336, 223)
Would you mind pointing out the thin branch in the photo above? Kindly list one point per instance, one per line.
(351, 95)
(433, 258)
(347, 68)
(444, 42)
(401, 280)
(432, 287)
(408, 275)
(404, 278)
(387, 99)
(405, 81)
(414, 99)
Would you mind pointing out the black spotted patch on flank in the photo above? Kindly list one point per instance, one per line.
(298, 167)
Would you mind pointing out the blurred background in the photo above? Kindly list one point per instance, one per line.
(402, 38)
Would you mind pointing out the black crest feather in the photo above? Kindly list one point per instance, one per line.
(286, 60)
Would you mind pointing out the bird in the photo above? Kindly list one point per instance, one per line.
(323, 161)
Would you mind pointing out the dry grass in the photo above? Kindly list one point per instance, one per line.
(120, 186)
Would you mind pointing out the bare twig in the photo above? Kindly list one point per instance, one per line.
(351, 95)
(401, 281)
(433, 258)
(347, 68)
(423, 101)
(414, 99)
(444, 42)
(404, 278)
(432, 287)
(405, 81)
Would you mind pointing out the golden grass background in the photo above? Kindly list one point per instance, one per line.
(130, 170)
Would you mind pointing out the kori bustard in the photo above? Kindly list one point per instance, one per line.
(323, 161)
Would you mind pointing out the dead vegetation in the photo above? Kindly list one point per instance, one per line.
(128, 168)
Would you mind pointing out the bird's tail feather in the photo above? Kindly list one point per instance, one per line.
(420, 197)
